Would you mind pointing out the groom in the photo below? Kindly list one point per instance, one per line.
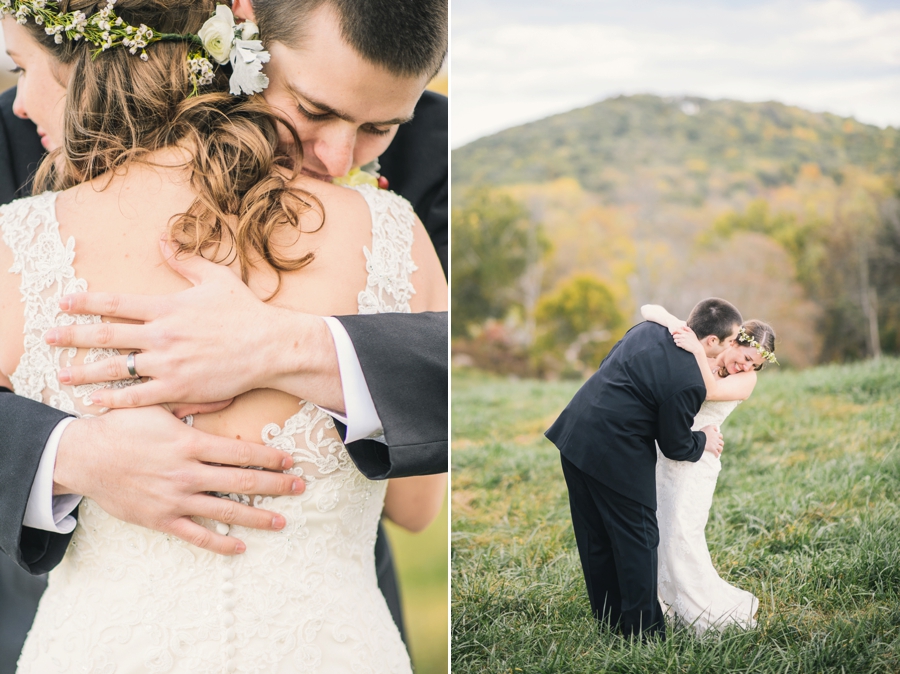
(413, 418)
(646, 393)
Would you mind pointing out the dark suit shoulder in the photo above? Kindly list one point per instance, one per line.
(648, 357)
(415, 165)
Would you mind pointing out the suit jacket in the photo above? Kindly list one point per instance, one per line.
(415, 345)
(416, 166)
(646, 390)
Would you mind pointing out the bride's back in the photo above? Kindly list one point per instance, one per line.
(117, 232)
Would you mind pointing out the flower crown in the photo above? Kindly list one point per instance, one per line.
(219, 39)
(746, 338)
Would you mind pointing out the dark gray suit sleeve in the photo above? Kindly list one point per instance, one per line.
(404, 360)
(676, 416)
(26, 425)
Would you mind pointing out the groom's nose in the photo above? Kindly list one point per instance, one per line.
(335, 150)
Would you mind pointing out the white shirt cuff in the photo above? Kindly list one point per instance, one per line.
(44, 510)
(361, 419)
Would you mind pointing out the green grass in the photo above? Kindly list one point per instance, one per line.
(806, 516)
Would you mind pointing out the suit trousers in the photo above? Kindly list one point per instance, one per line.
(617, 541)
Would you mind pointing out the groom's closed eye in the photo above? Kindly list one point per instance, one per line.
(314, 116)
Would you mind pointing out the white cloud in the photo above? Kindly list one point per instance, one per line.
(831, 55)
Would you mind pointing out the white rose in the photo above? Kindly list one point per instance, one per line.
(249, 30)
(217, 34)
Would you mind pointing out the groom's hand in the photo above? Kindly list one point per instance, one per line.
(210, 342)
(146, 467)
(714, 441)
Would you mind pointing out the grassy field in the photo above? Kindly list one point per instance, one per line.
(806, 516)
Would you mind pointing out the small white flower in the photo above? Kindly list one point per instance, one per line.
(247, 59)
(249, 30)
(217, 34)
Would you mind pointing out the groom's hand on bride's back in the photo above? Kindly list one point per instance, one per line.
(146, 467)
(210, 342)
(714, 440)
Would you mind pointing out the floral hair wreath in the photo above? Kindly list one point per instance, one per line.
(219, 39)
(745, 338)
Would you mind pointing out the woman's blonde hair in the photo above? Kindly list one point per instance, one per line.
(120, 109)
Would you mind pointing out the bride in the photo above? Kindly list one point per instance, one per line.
(689, 587)
(152, 146)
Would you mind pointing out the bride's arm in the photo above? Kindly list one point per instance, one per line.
(657, 314)
(414, 502)
(734, 387)
(428, 279)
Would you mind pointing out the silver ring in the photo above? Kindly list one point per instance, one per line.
(129, 363)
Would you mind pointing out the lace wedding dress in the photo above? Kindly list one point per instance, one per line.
(689, 587)
(127, 599)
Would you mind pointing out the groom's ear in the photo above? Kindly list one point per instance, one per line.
(243, 9)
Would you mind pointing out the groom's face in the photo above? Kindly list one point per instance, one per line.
(713, 347)
(345, 110)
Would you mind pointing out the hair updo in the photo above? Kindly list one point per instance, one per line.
(764, 334)
(120, 109)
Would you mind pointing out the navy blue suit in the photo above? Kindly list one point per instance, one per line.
(646, 392)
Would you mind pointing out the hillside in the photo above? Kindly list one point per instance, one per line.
(692, 148)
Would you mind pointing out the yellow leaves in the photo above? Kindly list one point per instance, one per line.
(810, 171)
(697, 166)
(803, 133)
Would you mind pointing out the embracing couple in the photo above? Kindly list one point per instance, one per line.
(205, 221)
(640, 444)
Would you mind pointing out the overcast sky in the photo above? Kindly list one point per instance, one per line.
(514, 61)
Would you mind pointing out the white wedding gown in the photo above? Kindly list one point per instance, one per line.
(689, 586)
(127, 599)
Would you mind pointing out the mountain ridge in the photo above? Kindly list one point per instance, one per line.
(701, 146)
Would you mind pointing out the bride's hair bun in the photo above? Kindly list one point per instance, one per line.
(120, 108)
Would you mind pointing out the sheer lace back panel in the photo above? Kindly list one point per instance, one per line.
(44, 263)
(127, 599)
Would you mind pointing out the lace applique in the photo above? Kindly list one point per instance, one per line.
(44, 262)
(389, 263)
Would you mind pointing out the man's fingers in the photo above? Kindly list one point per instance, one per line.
(99, 335)
(194, 268)
(191, 532)
(134, 307)
(227, 480)
(230, 512)
(108, 369)
(151, 393)
(213, 449)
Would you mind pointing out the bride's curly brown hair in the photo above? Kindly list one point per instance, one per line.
(120, 109)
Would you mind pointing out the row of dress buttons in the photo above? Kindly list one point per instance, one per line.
(228, 604)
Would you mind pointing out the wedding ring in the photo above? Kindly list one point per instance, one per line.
(129, 363)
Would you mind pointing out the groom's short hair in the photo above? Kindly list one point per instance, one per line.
(714, 316)
(408, 37)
